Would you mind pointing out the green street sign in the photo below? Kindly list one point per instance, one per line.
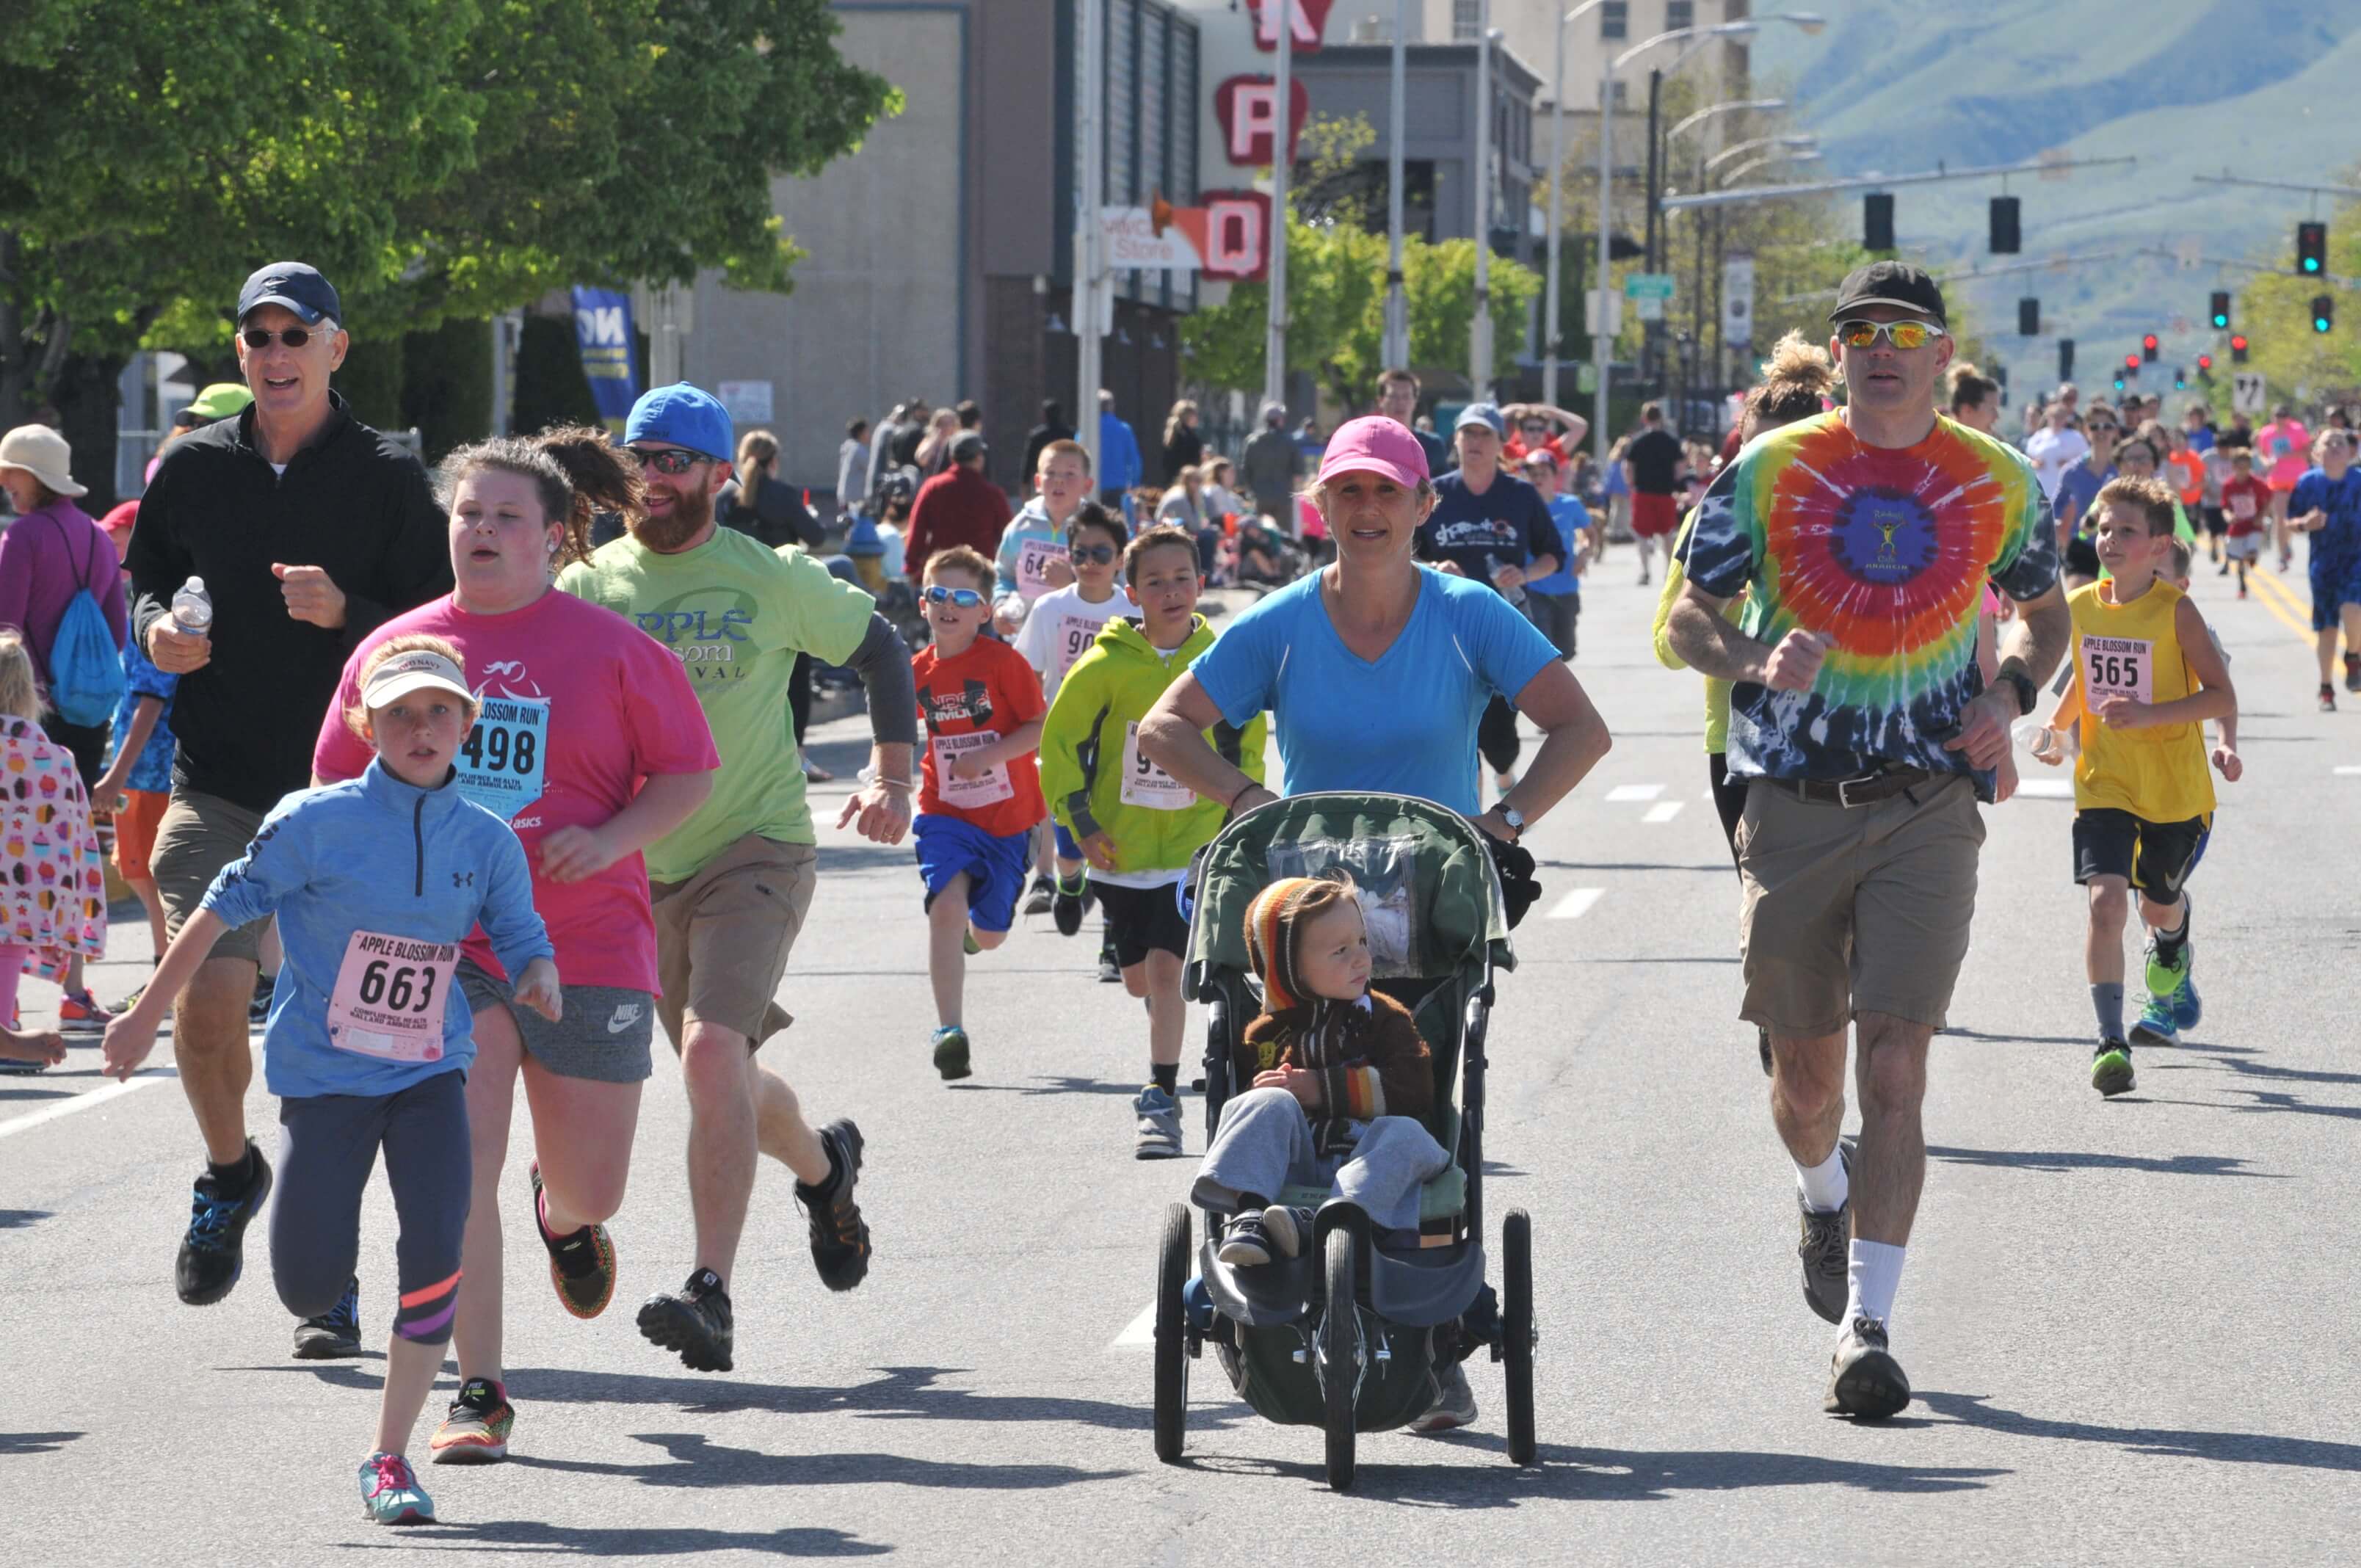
(1648, 286)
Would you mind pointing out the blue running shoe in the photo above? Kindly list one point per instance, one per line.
(391, 1492)
(212, 1254)
(1158, 1125)
(335, 1332)
(2156, 1026)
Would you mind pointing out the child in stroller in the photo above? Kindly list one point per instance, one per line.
(1340, 1080)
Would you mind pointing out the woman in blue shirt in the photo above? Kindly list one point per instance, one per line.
(1377, 672)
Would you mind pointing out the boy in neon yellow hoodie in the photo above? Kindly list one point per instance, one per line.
(1138, 827)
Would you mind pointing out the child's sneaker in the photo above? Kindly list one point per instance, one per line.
(1454, 1403)
(1038, 901)
(80, 1013)
(335, 1332)
(2156, 1026)
(2164, 979)
(391, 1492)
(475, 1430)
(2353, 672)
(1159, 1124)
(2327, 698)
(1290, 1230)
(258, 1010)
(2111, 1069)
(968, 944)
(1066, 903)
(1245, 1244)
(950, 1052)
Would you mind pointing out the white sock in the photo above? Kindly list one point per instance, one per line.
(1872, 1274)
(1824, 1186)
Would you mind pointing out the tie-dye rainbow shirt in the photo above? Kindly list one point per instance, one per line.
(1886, 550)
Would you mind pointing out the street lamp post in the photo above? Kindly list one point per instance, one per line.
(1480, 329)
(1282, 151)
(1397, 349)
(1558, 206)
(1087, 200)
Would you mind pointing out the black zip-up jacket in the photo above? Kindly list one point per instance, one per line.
(351, 502)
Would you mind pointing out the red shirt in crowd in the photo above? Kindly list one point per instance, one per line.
(958, 506)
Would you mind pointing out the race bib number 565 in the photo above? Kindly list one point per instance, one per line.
(2118, 666)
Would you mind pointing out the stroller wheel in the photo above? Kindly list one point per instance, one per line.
(1171, 1335)
(1517, 1331)
(1340, 1357)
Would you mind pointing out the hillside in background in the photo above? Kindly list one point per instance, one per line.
(2262, 88)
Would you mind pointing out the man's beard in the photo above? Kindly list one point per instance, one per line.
(691, 510)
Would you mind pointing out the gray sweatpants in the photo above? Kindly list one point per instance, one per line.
(327, 1147)
(1265, 1143)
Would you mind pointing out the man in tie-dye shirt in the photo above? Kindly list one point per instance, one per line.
(1862, 542)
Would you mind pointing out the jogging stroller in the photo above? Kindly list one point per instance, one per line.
(1351, 1334)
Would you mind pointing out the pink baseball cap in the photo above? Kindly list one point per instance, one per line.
(1375, 444)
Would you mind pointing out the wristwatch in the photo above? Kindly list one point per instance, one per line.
(1514, 818)
(2022, 684)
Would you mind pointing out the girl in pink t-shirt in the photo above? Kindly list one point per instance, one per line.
(592, 745)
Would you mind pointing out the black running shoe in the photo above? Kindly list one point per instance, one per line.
(212, 1254)
(1827, 1250)
(1038, 901)
(695, 1322)
(258, 1011)
(1066, 904)
(1110, 971)
(335, 1332)
(1864, 1380)
(839, 1236)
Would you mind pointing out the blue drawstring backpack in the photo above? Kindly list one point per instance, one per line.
(85, 666)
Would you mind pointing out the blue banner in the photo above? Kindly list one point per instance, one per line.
(602, 326)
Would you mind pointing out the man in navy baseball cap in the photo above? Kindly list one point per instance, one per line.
(297, 286)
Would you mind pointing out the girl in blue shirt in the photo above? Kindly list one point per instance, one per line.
(375, 882)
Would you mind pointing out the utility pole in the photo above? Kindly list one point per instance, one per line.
(1397, 349)
(1479, 332)
(1087, 201)
(1283, 155)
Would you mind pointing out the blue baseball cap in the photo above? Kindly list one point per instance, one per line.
(293, 284)
(1486, 415)
(682, 415)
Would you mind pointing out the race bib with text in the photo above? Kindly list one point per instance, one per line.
(505, 757)
(389, 996)
(991, 789)
(1144, 783)
(2118, 666)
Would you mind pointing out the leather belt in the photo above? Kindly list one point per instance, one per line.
(1866, 790)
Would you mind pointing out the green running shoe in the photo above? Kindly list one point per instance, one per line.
(391, 1492)
(2156, 1026)
(2164, 979)
(950, 1052)
(2111, 1071)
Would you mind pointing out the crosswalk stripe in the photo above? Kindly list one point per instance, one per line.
(1664, 811)
(1626, 793)
(1575, 905)
(82, 1101)
(1141, 1331)
(2046, 789)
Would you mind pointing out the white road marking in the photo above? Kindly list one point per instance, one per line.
(2046, 789)
(1575, 905)
(1142, 1331)
(1664, 811)
(2346, 773)
(82, 1101)
(1621, 793)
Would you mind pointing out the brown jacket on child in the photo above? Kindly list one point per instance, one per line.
(1371, 1061)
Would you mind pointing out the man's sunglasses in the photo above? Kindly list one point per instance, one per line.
(1901, 334)
(1096, 554)
(963, 598)
(293, 338)
(668, 459)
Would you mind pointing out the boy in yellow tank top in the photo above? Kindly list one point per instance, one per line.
(2147, 676)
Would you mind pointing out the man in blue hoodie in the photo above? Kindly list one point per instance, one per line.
(1119, 461)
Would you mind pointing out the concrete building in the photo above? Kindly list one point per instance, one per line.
(1531, 31)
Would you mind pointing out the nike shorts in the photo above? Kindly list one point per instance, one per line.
(606, 1036)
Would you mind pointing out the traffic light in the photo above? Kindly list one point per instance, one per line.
(2205, 367)
(2028, 318)
(2323, 312)
(2131, 364)
(2004, 235)
(2221, 310)
(2180, 379)
(2311, 248)
(2065, 359)
(2119, 380)
(1877, 221)
(2237, 348)
(2148, 348)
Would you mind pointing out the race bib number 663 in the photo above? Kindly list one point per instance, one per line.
(389, 996)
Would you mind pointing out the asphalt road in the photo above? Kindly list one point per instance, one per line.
(2128, 1321)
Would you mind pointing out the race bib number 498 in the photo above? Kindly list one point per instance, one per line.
(505, 757)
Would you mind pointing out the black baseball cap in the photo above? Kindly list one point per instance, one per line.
(1895, 283)
(966, 445)
(300, 288)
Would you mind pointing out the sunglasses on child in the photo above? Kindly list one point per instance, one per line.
(1096, 554)
(673, 460)
(963, 598)
(1901, 334)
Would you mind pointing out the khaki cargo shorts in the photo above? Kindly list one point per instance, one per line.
(723, 936)
(197, 835)
(1855, 909)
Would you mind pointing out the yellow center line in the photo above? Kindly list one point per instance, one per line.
(2280, 599)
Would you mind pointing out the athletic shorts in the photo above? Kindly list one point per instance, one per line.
(1653, 516)
(2154, 857)
(2243, 546)
(1143, 919)
(1554, 615)
(197, 836)
(136, 822)
(996, 867)
(2216, 521)
(723, 936)
(606, 1034)
(2334, 584)
(1858, 909)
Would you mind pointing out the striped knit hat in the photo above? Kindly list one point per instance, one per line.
(1274, 933)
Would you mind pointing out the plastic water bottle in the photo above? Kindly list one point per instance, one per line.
(1492, 571)
(193, 608)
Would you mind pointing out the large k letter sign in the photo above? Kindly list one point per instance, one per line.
(1310, 17)
(1247, 106)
